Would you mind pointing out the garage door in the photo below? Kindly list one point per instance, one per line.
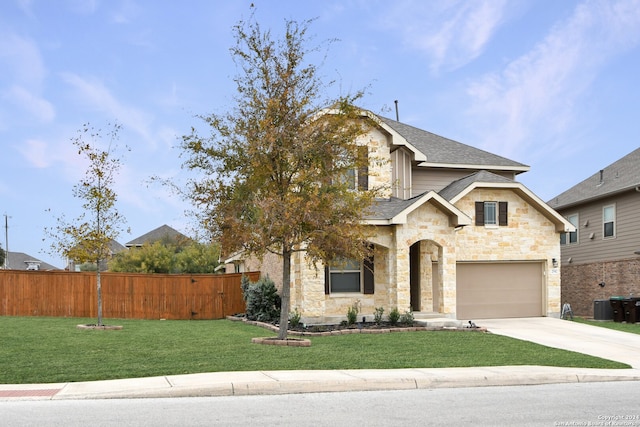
(494, 290)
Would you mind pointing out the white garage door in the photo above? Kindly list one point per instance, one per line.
(500, 289)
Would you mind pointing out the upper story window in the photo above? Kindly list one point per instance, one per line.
(571, 237)
(609, 221)
(358, 178)
(492, 213)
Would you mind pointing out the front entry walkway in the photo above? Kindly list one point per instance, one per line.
(567, 335)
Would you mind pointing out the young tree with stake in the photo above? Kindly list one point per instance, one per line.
(87, 239)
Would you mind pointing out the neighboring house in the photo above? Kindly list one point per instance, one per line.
(455, 236)
(164, 232)
(114, 248)
(22, 261)
(602, 257)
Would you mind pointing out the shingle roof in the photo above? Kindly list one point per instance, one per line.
(440, 150)
(388, 208)
(456, 187)
(164, 231)
(621, 175)
(18, 261)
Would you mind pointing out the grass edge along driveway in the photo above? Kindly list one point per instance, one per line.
(47, 350)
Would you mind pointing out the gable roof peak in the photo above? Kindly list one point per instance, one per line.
(621, 175)
(444, 152)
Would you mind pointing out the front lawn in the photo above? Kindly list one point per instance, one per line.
(43, 350)
(633, 328)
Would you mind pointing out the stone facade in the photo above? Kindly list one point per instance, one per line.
(581, 283)
(417, 247)
(530, 236)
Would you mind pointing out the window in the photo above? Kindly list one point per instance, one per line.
(344, 276)
(490, 217)
(492, 213)
(349, 276)
(357, 178)
(571, 237)
(609, 221)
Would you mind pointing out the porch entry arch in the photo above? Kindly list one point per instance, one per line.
(425, 276)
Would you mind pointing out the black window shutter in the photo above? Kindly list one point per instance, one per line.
(327, 288)
(502, 213)
(363, 171)
(369, 286)
(479, 213)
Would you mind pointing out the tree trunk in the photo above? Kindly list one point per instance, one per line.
(286, 294)
(99, 289)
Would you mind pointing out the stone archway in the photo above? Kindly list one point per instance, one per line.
(425, 276)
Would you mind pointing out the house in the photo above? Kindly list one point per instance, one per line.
(601, 258)
(162, 233)
(22, 261)
(456, 235)
(114, 248)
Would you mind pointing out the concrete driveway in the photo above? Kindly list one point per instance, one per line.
(593, 340)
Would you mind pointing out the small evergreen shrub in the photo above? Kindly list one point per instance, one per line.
(407, 318)
(394, 316)
(294, 318)
(377, 315)
(352, 314)
(262, 299)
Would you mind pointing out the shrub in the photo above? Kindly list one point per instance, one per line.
(394, 316)
(377, 316)
(294, 318)
(352, 314)
(262, 299)
(407, 318)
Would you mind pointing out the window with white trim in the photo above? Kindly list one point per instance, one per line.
(609, 221)
(571, 237)
(349, 275)
(492, 213)
(345, 276)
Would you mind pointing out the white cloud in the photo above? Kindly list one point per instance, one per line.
(98, 96)
(537, 94)
(21, 60)
(39, 108)
(36, 153)
(451, 33)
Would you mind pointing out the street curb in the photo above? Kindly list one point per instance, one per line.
(293, 382)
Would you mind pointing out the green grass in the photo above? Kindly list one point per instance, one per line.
(633, 328)
(43, 350)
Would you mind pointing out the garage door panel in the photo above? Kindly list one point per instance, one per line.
(486, 290)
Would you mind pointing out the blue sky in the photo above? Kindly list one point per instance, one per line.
(552, 84)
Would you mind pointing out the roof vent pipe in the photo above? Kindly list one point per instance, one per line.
(397, 115)
(601, 175)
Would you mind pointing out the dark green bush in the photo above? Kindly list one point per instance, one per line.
(262, 299)
(394, 316)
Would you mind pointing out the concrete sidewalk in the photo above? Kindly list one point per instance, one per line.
(286, 382)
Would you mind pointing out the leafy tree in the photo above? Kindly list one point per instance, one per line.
(2, 255)
(277, 172)
(198, 258)
(87, 238)
(149, 258)
(165, 256)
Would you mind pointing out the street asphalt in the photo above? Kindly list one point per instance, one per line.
(592, 340)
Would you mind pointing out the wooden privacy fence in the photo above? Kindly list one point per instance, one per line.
(124, 295)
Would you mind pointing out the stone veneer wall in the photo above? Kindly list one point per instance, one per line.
(529, 236)
(580, 283)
